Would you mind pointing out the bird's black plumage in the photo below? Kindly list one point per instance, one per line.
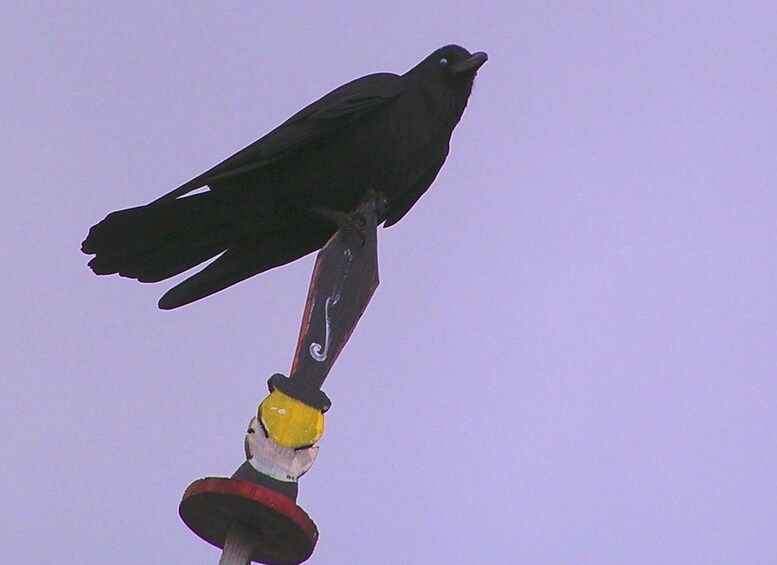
(272, 202)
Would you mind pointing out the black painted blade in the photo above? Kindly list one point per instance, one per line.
(344, 279)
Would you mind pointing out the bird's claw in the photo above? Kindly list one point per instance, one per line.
(380, 203)
(353, 221)
(357, 222)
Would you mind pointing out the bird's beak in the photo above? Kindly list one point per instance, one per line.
(470, 65)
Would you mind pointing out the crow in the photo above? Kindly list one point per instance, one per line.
(285, 195)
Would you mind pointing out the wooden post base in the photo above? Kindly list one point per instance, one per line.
(283, 532)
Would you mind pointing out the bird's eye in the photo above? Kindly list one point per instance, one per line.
(443, 63)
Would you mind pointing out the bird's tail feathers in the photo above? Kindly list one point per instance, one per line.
(160, 240)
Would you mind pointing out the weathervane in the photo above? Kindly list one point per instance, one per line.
(253, 515)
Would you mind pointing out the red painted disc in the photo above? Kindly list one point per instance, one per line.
(285, 532)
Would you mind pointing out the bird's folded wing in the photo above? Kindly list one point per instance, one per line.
(341, 106)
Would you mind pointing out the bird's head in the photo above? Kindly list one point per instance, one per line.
(456, 63)
(452, 69)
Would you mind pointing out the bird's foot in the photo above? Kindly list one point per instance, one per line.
(380, 203)
(346, 221)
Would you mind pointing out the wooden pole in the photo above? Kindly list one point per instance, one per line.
(238, 546)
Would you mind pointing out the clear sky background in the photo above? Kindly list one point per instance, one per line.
(572, 357)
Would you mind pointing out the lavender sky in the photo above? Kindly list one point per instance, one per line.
(572, 356)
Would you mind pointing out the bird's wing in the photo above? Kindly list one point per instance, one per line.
(244, 260)
(343, 105)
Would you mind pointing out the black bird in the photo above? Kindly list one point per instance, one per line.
(284, 195)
